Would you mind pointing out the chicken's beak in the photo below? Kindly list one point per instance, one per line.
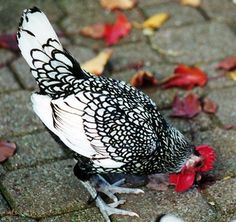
(194, 162)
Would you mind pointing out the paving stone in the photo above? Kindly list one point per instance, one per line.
(128, 54)
(229, 217)
(201, 122)
(16, 219)
(2, 171)
(195, 43)
(17, 116)
(154, 3)
(223, 193)
(223, 141)
(5, 55)
(160, 70)
(80, 53)
(33, 149)
(222, 12)
(179, 14)
(217, 78)
(7, 81)
(46, 190)
(152, 204)
(91, 214)
(10, 12)
(3, 205)
(226, 99)
(25, 77)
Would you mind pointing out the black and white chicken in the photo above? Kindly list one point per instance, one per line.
(111, 126)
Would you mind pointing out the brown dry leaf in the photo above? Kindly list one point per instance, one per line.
(7, 149)
(193, 3)
(97, 64)
(95, 31)
(143, 78)
(228, 126)
(209, 106)
(118, 4)
(232, 75)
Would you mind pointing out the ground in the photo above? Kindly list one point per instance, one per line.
(37, 183)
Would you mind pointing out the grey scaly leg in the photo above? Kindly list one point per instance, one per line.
(98, 184)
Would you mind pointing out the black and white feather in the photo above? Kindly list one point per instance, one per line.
(115, 126)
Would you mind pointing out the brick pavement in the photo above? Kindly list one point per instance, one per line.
(37, 183)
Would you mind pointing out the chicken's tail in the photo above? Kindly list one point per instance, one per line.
(53, 67)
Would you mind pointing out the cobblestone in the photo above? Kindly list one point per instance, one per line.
(152, 204)
(226, 111)
(18, 117)
(16, 219)
(196, 43)
(179, 15)
(223, 193)
(7, 81)
(33, 149)
(45, 190)
(37, 183)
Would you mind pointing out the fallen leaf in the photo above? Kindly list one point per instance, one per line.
(156, 21)
(97, 64)
(95, 31)
(189, 107)
(185, 77)
(212, 203)
(143, 78)
(7, 149)
(232, 75)
(227, 177)
(158, 182)
(209, 106)
(193, 3)
(8, 41)
(229, 63)
(113, 32)
(228, 126)
(152, 23)
(118, 4)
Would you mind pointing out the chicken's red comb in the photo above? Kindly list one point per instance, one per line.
(185, 179)
(208, 155)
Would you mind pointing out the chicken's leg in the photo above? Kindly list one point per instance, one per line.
(98, 184)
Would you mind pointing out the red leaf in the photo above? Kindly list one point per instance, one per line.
(188, 107)
(143, 78)
(186, 77)
(209, 106)
(228, 63)
(8, 41)
(113, 32)
(7, 149)
(208, 155)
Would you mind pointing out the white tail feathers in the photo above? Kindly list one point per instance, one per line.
(54, 69)
(35, 32)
